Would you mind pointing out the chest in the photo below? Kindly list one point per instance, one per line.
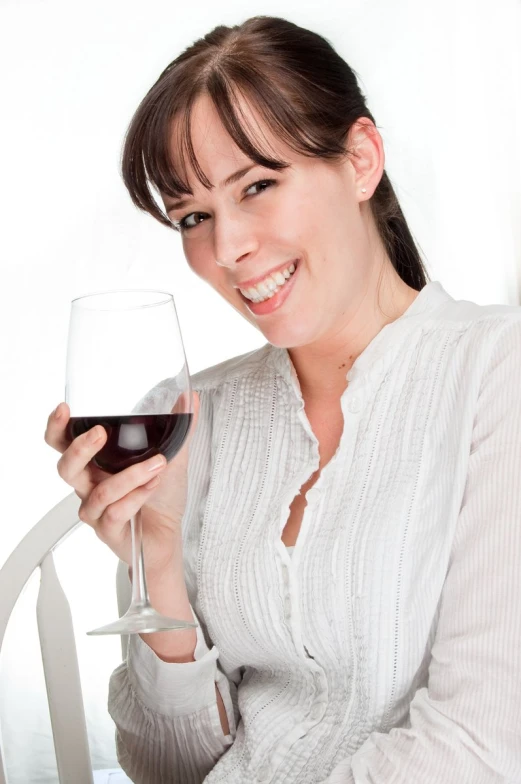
(374, 521)
(371, 517)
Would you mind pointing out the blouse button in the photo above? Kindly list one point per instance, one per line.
(264, 772)
(316, 712)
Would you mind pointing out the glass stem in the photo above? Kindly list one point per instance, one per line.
(139, 584)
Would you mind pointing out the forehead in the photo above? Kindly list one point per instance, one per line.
(215, 150)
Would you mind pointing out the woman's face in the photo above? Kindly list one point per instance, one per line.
(309, 214)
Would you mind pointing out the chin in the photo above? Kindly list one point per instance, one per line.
(288, 338)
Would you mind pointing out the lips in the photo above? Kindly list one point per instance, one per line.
(276, 302)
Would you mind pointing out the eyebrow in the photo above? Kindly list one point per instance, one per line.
(178, 205)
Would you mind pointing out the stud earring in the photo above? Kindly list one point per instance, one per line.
(364, 190)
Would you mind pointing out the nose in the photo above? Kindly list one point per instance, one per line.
(234, 241)
(230, 264)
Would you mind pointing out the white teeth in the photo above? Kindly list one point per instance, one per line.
(269, 286)
(262, 288)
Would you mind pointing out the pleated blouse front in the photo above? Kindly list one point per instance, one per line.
(320, 650)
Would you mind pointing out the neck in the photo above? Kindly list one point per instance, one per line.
(322, 366)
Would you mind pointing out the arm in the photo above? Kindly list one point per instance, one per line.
(174, 708)
(172, 722)
(168, 726)
(465, 727)
(168, 594)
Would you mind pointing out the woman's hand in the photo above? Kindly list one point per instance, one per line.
(156, 487)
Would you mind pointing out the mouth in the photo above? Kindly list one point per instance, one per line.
(276, 299)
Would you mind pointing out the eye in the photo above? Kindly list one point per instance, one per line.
(184, 226)
(261, 182)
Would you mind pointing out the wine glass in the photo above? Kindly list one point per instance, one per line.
(127, 371)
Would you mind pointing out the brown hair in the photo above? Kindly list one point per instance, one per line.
(301, 88)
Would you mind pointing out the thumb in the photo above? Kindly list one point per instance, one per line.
(195, 416)
(196, 405)
(183, 452)
(180, 404)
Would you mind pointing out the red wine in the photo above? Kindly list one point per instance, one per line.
(134, 438)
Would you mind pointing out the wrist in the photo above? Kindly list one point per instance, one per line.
(164, 556)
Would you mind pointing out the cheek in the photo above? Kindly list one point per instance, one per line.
(298, 217)
(206, 269)
(198, 263)
(284, 228)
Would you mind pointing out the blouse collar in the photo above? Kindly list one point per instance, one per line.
(378, 354)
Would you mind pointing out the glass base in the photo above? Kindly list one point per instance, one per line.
(141, 621)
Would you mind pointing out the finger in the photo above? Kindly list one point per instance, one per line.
(195, 416)
(73, 462)
(111, 490)
(197, 403)
(55, 432)
(178, 408)
(110, 528)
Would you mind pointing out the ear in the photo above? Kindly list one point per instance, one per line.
(366, 154)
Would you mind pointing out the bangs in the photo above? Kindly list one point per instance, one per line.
(298, 91)
(158, 152)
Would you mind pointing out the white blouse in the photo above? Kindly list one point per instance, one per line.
(386, 647)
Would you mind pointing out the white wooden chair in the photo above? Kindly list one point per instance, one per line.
(58, 647)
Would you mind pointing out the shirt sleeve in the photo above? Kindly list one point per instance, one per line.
(168, 725)
(168, 728)
(465, 726)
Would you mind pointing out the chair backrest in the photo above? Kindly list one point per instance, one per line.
(58, 647)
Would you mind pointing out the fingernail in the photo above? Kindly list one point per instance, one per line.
(57, 411)
(159, 462)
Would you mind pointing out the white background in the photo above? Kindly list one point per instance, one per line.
(443, 80)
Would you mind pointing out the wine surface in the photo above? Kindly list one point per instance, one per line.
(134, 437)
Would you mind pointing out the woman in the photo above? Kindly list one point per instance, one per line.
(344, 523)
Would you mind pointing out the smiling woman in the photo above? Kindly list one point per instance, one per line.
(317, 194)
(308, 103)
(350, 546)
